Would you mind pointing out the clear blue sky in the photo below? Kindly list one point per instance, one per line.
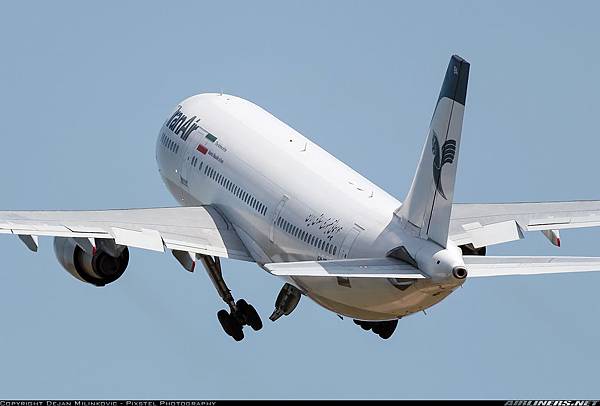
(85, 87)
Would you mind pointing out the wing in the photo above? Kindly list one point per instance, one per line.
(201, 230)
(347, 268)
(504, 266)
(495, 223)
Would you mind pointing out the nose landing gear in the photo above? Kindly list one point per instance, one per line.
(240, 313)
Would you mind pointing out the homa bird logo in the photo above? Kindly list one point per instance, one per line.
(440, 158)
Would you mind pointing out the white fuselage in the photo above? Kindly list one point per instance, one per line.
(290, 200)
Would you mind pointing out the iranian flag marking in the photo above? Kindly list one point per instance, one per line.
(202, 149)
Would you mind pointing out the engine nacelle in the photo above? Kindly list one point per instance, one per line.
(98, 269)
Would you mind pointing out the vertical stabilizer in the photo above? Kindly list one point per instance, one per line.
(429, 202)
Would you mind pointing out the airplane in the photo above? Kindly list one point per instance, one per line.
(251, 188)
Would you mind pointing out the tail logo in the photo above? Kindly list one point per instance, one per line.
(440, 158)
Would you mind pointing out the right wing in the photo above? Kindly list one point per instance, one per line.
(483, 224)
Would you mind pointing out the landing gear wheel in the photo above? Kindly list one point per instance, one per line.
(240, 312)
(250, 314)
(385, 330)
(231, 325)
(365, 325)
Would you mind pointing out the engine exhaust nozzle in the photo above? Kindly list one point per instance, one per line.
(459, 272)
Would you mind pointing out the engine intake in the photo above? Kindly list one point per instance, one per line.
(98, 268)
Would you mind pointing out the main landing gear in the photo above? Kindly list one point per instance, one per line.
(240, 313)
(383, 329)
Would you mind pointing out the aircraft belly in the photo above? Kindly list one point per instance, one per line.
(372, 298)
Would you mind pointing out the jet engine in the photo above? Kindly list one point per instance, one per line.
(98, 265)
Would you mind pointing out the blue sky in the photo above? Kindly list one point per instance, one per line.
(86, 86)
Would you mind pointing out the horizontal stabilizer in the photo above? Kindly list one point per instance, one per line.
(347, 268)
(504, 266)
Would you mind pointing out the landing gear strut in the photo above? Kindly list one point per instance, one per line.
(240, 313)
(383, 329)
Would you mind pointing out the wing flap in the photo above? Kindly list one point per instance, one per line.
(505, 266)
(347, 268)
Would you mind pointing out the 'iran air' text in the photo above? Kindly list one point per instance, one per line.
(181, 125)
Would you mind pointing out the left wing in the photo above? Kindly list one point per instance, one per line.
(201, 230)
(483, 224)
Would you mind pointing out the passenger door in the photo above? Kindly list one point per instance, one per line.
(349, 241)
(276, 214)
(189, 160)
